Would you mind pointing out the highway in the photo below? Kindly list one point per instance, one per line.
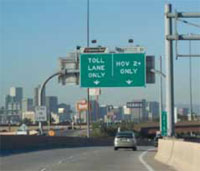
(84, 158)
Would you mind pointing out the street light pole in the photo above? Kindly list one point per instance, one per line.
(161, 74)
(41, 90)
(190, 79)
(161, 95)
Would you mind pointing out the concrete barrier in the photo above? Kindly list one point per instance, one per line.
(183, 156)
(13, 143)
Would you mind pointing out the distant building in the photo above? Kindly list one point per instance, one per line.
(17, 93)
(102, 111)
(175, 115)
(8, 99)
(183, 111)
(138, 110)
(36, 96)
(29, 115)
(13, 101)
(64, 112)
(152, 108)
(52, 104)
(27, 105)
(118, 111)
(94, 110)
(126, 113)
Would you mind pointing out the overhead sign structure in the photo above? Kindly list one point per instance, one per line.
(40, 113)
(138, 104)
(113, 70)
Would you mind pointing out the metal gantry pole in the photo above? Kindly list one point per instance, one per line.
(161, 94)
(169, 37)
(88, 90)
(169, 72)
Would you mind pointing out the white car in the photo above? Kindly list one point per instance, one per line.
(125, 139)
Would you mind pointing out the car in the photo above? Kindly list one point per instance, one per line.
(155, 141)
(125, 139)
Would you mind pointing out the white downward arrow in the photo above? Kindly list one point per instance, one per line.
(129, 82)
(96, 82)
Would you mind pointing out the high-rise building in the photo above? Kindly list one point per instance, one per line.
(8, 99)
(94, 110)
(52, 104)
(13, 101)
(27, 105)
(102, 111)
(36, 96)
(138, 110)
(153, 110)
(17, 92)
(64, 112)
(183, 111)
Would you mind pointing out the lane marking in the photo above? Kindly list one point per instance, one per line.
(60, 162)
(71, 157)
(43, 169)
(148, 167)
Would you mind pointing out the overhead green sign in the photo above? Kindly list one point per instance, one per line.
(112, 70)
(164, 123)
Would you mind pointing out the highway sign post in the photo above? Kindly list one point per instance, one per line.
(40, 113)
(113, 70)
(164, 123)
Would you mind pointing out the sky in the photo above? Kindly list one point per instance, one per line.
(35, 33)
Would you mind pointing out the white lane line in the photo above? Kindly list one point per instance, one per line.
(70, 157)
(67, 159)
(60, 162)
(148, 167)
(43, 169)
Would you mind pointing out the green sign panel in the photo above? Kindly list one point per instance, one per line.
(164, 123)
(112, 70)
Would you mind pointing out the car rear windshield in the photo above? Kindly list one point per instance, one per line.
(124, 136)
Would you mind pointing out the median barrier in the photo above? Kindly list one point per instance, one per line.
(9, 143)
(183, 156)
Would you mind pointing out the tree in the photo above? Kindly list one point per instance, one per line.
(27, 121)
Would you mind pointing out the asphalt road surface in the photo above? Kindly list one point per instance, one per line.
(84, 159)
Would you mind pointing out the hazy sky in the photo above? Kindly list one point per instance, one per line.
(34, 33)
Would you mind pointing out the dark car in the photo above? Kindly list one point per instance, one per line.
(155, 141)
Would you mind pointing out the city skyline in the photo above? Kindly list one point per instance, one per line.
(93, 98)
(39, 32)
